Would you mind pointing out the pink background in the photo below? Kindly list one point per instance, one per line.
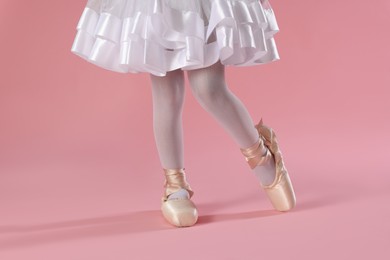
(80, 173)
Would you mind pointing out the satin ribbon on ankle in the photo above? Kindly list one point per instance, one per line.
(175, 180)
(253, 154)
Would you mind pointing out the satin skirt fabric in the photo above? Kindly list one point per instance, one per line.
(157, 36)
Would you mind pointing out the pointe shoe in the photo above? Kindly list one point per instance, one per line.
(180, 212)
(280, 192)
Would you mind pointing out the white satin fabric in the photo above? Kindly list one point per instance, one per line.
(157, 36)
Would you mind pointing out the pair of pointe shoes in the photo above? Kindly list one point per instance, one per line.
(182, 212)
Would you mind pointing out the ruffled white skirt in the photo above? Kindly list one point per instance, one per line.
(157, 36)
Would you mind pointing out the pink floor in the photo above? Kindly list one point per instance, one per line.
(80, 176)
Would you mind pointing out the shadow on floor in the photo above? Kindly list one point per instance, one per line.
(129, 223)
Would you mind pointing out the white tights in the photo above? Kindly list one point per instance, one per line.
(209, 88)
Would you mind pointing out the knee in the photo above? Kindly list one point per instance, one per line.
(208, 85)
(170, 101)
(209, 94)
(168, 94)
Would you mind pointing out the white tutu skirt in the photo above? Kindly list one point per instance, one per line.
(157, 36)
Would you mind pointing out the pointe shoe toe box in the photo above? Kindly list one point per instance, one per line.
(282, 195)
(180, 212)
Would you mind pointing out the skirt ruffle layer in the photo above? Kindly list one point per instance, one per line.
(157, 36)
